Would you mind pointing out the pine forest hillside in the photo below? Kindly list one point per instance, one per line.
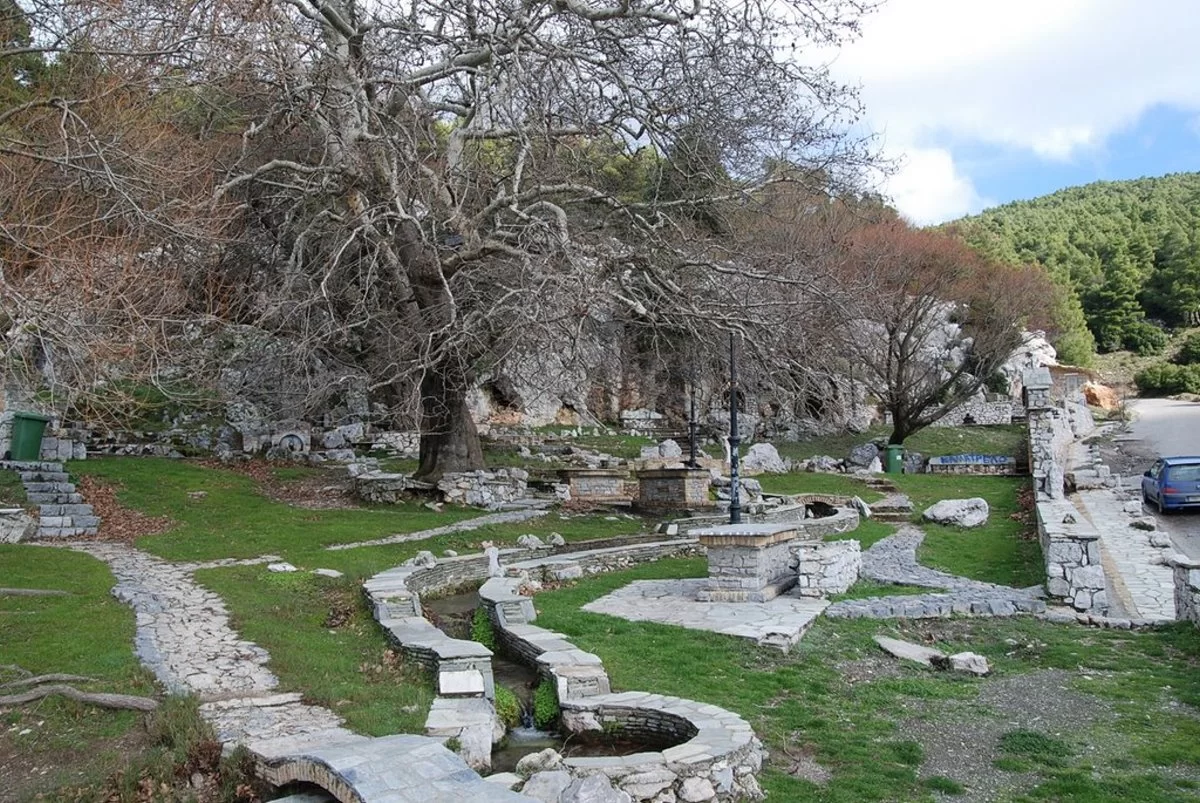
(1127, 252)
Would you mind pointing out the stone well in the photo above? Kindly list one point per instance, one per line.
(596, 484)
(673, 489)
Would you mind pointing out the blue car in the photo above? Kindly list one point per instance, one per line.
(1172, 483)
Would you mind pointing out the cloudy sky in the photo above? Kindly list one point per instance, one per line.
(988, 101)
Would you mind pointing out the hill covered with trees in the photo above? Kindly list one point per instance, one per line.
(1127, 253)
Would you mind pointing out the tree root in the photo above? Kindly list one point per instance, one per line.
(33, 592)
(57, 677)
(121, 701)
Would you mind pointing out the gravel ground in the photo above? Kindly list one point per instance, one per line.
(961, 740)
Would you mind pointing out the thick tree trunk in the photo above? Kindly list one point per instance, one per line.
(449, 440)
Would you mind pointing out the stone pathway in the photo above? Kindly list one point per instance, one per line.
(778, 623)
(894, 560)
(184, 637)
(1145, 585)
(506, 517)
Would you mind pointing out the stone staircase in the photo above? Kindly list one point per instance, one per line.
(895, 506)
(62, 511)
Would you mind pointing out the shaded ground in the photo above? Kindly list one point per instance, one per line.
(307, 487)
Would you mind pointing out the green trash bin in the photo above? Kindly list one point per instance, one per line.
(895, 459)
(27, 429)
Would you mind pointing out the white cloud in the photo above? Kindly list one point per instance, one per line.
(1053, 78)
(927, 187)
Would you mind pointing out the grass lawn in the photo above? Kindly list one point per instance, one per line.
(221, 514)
(1004, 550)
(819, 702)
(85, 632)
(931, 441)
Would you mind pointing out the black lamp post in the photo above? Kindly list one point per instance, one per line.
(735, 495)
(692, 426)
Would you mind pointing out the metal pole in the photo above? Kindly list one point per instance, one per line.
(692, 426)
(735, 490)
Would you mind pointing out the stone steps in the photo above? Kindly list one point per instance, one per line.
(62, 512)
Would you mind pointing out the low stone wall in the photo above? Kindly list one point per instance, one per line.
(486, 489)
(825, 568)
(717, 758)
(1187, 589)
(1071, 549)
(717, 755)
(990, 412)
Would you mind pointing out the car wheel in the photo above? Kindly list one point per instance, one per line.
(1162, 509)
(1145, 497)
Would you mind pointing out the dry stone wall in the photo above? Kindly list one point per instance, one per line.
(1187, 589)
(825, 568)
(1070, 544)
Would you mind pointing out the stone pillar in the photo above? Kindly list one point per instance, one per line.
(747, 562)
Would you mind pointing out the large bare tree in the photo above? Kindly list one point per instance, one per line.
(418, 185)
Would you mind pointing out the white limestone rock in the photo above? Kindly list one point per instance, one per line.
(970, 662)
(334, 573)
(530, 541)
(281, 567)
(548, 759)
(423, 559)
(16, 525)
(593, 789)
(670, 450)
(547, 786)
(763, 458)
(971, 512)
(697, 790)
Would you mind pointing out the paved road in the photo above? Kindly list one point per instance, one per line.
(1165, 427)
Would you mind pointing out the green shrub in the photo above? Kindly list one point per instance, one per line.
(1189, 352)
(1145, 338)
(545, 705)
(481, 629)
(508, 708)
(1165, 379)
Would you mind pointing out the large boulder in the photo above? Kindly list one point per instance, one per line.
(862, 455)
(959, 512)
(763, 458)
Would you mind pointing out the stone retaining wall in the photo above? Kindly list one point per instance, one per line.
(1187, 589)
(1070, 544)
(979, 412)
(486, 489)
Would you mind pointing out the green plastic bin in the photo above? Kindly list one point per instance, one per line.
(895, 459)
(27, 429)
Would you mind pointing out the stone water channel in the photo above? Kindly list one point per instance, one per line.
(454, 614)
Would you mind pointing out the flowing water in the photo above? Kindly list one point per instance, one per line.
(453, 614)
